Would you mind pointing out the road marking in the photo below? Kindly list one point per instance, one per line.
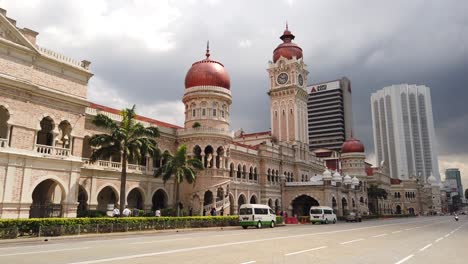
(439, 239)
(43, 251)
(408, 229)
(352, 241)
(159, 241)
(230, 244)
(302, 251)
(395, 232)
(424, 248)
(381, 235)
(447, 235)
(249, 262)
(405, 259)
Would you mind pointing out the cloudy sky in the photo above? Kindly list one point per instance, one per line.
(140, 51)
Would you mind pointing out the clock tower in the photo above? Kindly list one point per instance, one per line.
(288, 96)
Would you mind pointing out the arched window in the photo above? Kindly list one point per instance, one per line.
(4, 116)
(45, 136)
(231, 170)
(268, 175)
(255, 174)
(239, 171)
(251, 173)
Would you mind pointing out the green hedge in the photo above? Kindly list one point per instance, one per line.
(11, 228)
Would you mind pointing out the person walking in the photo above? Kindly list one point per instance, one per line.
(157, 213)
(126, 212)
(116, 212)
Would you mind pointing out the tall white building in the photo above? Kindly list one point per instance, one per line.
(403, 129)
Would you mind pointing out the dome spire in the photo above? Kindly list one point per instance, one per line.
(287, 26)
(207, 50)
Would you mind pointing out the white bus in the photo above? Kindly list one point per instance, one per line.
(256, 215)
(322, 214)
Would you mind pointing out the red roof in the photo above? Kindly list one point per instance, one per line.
(257, 134)
(254, 147)
(138, 117)
(395, 181)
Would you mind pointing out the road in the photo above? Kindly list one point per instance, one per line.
(438, 239)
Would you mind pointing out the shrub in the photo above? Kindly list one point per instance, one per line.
(91, 213)
(72, 226)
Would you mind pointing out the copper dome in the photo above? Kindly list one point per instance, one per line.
(352, 145)
(287, 49)
(207, 72)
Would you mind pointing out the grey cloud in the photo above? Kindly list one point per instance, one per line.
(373, 43)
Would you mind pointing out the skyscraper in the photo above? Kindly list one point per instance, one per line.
(403, 129)
(329, 114)
(454, 174)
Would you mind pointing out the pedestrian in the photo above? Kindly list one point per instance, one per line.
(126, 212)
(135, 212)
(221, 212)
(190, 211)
(204, 211)
(116, 212)
(157, 213)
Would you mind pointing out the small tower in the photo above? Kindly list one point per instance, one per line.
(288, 96)
(207, 96)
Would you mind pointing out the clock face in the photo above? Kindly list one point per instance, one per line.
(282, 78)
(300, 80)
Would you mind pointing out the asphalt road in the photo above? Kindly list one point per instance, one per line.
(438, 239)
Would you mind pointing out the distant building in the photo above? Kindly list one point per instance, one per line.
(454, 174)
(330, 117)
(403, 129)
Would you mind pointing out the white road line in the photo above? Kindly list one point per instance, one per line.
(381, 235)
(396, 232)
(303, 251)
(352, 241)
(424, 248)
(447, 235)
(405, 259)
(249, 262)
(228, 244)
(439, 239)
(42, 252)
(408, 229)
(159, 241)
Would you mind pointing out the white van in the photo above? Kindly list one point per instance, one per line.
(256, 215)
(322, 214)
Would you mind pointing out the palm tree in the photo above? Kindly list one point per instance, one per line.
(128, 138)
(181, 167)
(374, 193)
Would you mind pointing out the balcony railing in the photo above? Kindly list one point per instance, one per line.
(112, 165)
(52, 151)
(204, 130)
(3, 142)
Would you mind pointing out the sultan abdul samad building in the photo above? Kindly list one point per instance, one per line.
(45, 127)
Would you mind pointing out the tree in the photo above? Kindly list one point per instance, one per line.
(181, 167)
(374, 193)
(128, 138)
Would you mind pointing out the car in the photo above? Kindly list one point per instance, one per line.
(257, 215)
(322, 214)
(353, 217)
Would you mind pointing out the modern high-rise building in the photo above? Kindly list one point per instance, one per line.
(454, 174)
(329, 114)
(403, 127)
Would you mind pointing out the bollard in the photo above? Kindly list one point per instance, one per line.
(39, 233)
(97, 228)
(79, 229)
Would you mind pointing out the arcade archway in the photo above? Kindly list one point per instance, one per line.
(301, 205)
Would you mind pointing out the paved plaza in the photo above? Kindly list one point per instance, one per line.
(437, 239)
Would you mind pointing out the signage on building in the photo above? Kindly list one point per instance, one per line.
(323, 87)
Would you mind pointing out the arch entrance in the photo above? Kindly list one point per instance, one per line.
(82, 200)
(159, 200)
(135, 199)
(47, 200)
(107, 197)
(301, 205)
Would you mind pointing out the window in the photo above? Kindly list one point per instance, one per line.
(222, 113)
(315, 211)
(245, 211)
(328, 211)
(214, 112)
(203, 112)
(271, 211)
(193, 112)
(263, 211)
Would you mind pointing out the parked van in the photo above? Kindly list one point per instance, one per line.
(256, 215)
(322, 214)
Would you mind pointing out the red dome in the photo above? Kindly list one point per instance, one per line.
(287, 49)
(207, 73)
(352, 145)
